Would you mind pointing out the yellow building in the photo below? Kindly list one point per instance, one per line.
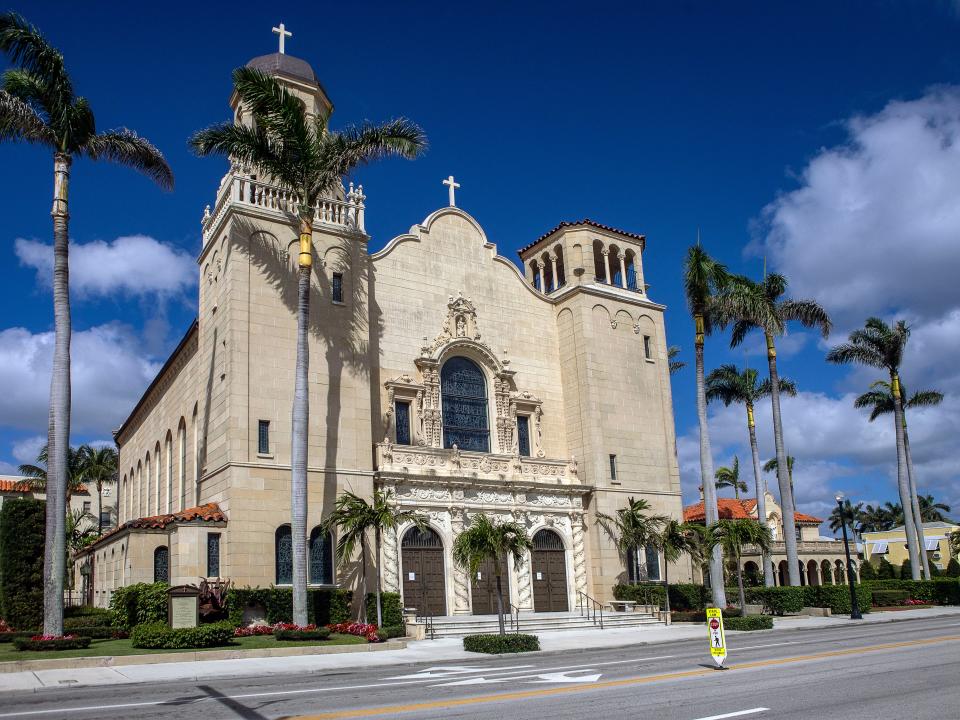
(891, 545)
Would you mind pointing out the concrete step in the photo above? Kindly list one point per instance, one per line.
(457, 626)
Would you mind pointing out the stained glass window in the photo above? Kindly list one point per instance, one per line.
(653, 563)
(402, 413)
(263, 437)
(464, 391)
(523, 435)
(321, 558)
(284, 555)
(213, 555)
(161, 564)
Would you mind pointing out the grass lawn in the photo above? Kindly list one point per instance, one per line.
(100, 648)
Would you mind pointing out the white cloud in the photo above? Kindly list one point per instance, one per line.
(133, 265)
(109, 374)
(26, 450)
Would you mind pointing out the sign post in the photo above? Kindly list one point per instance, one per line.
(718, 642)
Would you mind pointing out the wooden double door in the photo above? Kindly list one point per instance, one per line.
(424, 577)
(483, 588)
(549, 570)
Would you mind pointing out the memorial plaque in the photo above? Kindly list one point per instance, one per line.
(183, 606)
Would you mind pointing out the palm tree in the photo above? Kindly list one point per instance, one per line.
(849, 515)
(98, 466)
(353, 518)
(38, 106)
(729, 477)
(632, 529)
(874, 519)
(488, 541)
(879, 345)
(880, 400)
(772, 465)
(732, 536)
(673, 540)
(297, 150)
(729, 384)
(750, 305)
(675, 365)
(703, 278)
(933, 511)
(36, 474)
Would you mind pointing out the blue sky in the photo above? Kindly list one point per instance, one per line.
(823, 135)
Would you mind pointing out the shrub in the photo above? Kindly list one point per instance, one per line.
(363, 630)
(139, 604)
(683, 596)
(98, 632)
(87, 611)
(499, 644)
(953, 569)
(104, 620)
(387, 632)
(837, 598)
(9, 637)
(700, 615)
(942, 591)
(886, 571)
(302, 634)
(323, 606)
(390, 606)
(158, 636)
(935, 572)
(749, 622)
(778, 600)
(906, 570)
(867, 571)
(887, 598)
(253, 630)
(22, 531)
(43, 642)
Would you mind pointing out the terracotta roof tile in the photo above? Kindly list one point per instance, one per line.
(202, 513)
(585, 221)
(732, 509)
(20, 486)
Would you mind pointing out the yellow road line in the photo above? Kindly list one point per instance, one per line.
(526, 694)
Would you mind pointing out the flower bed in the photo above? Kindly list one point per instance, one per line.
(52, 642)
(364, 630)
(285, 631)
(253, 630)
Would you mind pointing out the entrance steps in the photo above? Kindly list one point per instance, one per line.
(460, 625)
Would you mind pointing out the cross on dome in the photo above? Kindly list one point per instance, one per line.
(449, 182)
(284, 34)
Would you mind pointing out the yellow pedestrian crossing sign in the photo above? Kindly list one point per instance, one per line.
(718, 642)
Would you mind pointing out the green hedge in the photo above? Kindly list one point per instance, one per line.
(22, 531)
(158, 636)
(104, 620)
(778, 600)
(390, 606)
(940, 591)
(316, 634)
(683, 596)
(784, 600)
(886, 598)
(499, 644)
(324, 606)
(9, 637)
(837, 598)
(700, 615)
(87, 611)
(97, 632)
(77, 643)
(138, 604)
(387, 632)
(749, 622)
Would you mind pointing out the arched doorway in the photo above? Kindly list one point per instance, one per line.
(549, 573)
(483, 588)
(424, 578)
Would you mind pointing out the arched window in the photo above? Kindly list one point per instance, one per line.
(161, 564)
(169, 479)
(321, 557)
(283, 547)
(464, 392)
(182, 465)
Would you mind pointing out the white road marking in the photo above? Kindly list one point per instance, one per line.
(565, 678)
(447, 671)
(739, 713)
(548, 677)
(473, 681)
(757, 647)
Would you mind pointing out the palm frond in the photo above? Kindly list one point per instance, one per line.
(675, 365)
(702, 278)
(251, 146)
(808, 313)
(925, 398)
(785, 386)
(365, 143)
(854, 354)
(19, 121)
(26, 47)
(125, 147)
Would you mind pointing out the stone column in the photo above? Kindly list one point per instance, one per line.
(606, 264)
(461, 583)
(579, 553)
(543, 280)
(553, 265)
(391, 562)
(623, 270)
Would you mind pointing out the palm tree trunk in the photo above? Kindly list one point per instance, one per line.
(377, 589)
(666, 588)
(363, 578)
(743, 597)
(300, 430)
(706, 473)
(761, 494)
(915, 504)
(500, 604)
(903, 483)
(58, 433)
(783, 478)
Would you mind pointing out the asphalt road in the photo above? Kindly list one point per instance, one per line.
(895, 670)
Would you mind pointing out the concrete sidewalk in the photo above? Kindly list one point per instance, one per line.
(424, 651)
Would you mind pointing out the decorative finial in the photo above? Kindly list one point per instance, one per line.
(284, 34)
(449, 182)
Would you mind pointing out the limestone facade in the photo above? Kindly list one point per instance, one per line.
(575, 414)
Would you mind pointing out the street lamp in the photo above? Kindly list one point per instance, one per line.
(854, 606)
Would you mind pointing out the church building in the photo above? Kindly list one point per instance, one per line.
(535, 391)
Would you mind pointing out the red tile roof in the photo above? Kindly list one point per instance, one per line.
(202, 513)
(20, 486)
(732, 509)
(585, 221)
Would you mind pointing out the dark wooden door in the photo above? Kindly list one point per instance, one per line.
(424, 578)
(549, 573)
(483, 589)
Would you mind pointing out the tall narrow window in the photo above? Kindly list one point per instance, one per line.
(647, 348)
(213, 554)
(523, 435)
(653, 563)
(337, 287)
(283, 548)
(263, 437)
(321, 558)
(161, 564)
(613, 467)
(401, 411)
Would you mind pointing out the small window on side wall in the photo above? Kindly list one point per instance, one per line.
(523, 435)
(401, 411)
(613, 467)
(263, 437)
(213, 555)
(337, 288)
(647, 347)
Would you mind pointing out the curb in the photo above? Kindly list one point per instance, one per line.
(116, 661)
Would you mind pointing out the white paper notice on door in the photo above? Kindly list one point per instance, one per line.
(478, 575)
(411, 576)
(539, 576)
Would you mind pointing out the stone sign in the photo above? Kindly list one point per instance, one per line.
(183, 606)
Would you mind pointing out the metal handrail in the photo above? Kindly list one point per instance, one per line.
(427, 619)
(591, 606)
(515, 618)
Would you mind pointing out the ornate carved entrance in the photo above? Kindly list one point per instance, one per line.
(424, 579)
(483, 588)
(549, 573)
